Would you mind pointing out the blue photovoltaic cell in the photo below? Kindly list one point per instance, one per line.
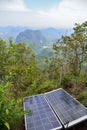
(41, 116)
(69, 110)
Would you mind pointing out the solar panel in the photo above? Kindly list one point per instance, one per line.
(41, 117)
(68, 109)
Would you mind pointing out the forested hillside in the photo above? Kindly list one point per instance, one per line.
(21, 76)
(31, 36)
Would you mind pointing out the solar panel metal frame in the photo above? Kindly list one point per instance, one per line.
(57, 128)
(74, 122)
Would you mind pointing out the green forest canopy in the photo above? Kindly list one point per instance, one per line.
(20, 76)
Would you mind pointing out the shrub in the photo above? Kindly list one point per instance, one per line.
(67, 81)
(83, 97)
(11, 112)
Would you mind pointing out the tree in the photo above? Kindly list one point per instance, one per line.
(17, 65)
(21, 65)
(3, 59)
(72, 50)
(11, 111)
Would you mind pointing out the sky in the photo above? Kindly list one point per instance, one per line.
(43, 13)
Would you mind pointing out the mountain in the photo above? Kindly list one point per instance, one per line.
(50, 34)
(53, 34)
(41, 41)
(31, 36)
(11, 31)
(42, 36)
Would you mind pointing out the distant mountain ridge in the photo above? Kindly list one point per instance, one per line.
(10, 31)
(53, 34)
(31, 36)
(41, 41)
(50, 34)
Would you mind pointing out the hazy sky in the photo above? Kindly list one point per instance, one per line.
(43, 13)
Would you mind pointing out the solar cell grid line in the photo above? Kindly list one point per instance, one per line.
(68, 110)
(41, 117)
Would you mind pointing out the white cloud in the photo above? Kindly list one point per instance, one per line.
(63, 15)
(66, 14)
(12, 5)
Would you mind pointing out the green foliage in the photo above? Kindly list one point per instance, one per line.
(11, 111)
(67, 81)
(3, 58)
(83, 97)
(72, 50)
(70, 80)
(47, 85)
(17, 72)
(17, 65)
(20, 75)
